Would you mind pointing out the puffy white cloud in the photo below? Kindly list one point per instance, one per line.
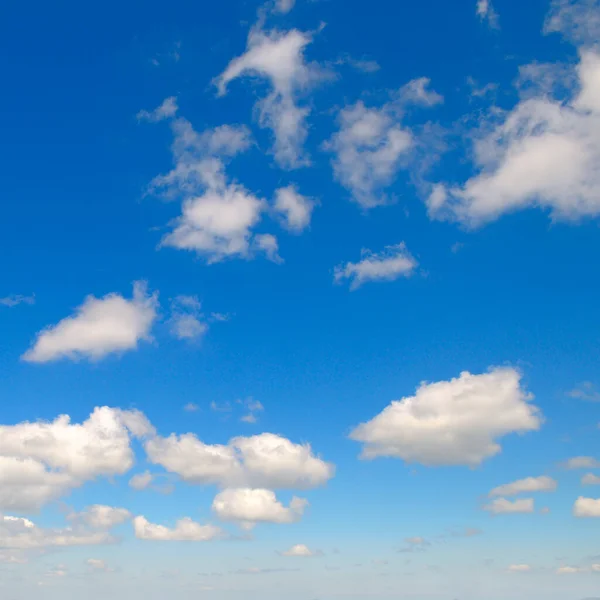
(261, 461)
(542, 153)
(278, 57)
(486, 12)
(185, 530)
(586, 507)
(187, 320)
(41, 461)
(527, 485)
(590, 479)
(166, 110)
(99, 327)
(300, 550)
(100, 516)
(502, 506)
(268, 244)
(294, 208)
(419, 92)
(141, 481)
(394, 262)
(284, 6)
(456, 422)
(581, 462)
(16, 299)
(23, 534)
(519, 569)
(251, 506)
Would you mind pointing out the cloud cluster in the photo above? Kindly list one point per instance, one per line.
(456, 422)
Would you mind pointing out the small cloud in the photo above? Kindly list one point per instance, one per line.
(222, 408)
(187, 320)
(166, 110)
(580, 462)
(301, 550)
(191, 407)
(486, 12)
(585, 391)
(519, 569)
(502, 506)
(16, 299)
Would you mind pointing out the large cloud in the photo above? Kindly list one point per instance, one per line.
(456, 422)
(99, 327)
(261, 461)
(41, 461)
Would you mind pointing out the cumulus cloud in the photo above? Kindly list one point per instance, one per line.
(456, 422)
(294, 209)
(543, 153)
(250, 506)
(390, 264)
(586, 507)
(527, 485)
(16, 299)
(581, 462)
(100, 516)
(187, 320)
(486, 12)
(100, 326)
(301, 550)
(141, 481)
(185, 530)
(371, 143)
(502, 506)
(42, 461)
(262, 461)
(278, 57)
(166, 110)
(590, 479)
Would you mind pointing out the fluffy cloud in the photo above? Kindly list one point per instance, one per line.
(502, 506)
(185, 530)
(98, 328)
(279, 58)
(166, 110)
(187, 320)
(284, 6)
(577, 20)
(581, 462)
(528, 485)
(542, 153)
(100, 516)
(590, 479)
(300, 550)
(251, 506)
(141, 481)
(217, 216)
(371, 143)
(42, 461)
(394, 262)
(23, 534)
(486, 12)
(456, 422)
(586, 507)
(294, 208)
(261, 461)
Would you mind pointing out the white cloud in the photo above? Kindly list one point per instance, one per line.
(577, 20)
(590, 479)
(528, 485)
(585, 391)
(543, 153)
(191, 407)
(42, 461)
(569, 570)
(100, 516)
(586, 507)
(141, 481)
(166, 110)
(284, 6)
(185, 530)
(97, 564)
(394, 262)
(253, 407)
(456, 422)
(486, 12)
(22, 534)
(16, 299)
(581, 462)
(187, 320)
(418, 92)
(300, 550)
(261, 461)
(268, 244)
(278, 57)
(519, 569)
(294, 208)
(98, 328)
(250, 506)
(502, 506)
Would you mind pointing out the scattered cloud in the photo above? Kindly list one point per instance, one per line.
(99, 327)
(569, 570)
(390, 264)
(167, 110)
(251, 506)
(100, 516)
(253, 407)
(456, 422)
(585, 391)
(284, 6)
(502, 506)
(97, 564)
(278, 57)
(185, 530)
(16, 299)
(191, 407)
(519, 569)
(586, 507)
(581, 462)
(577, 20)
(300, 550)
(187, 320)
(262, 461)
(528, 485)
(360, 64)
(590, 479)
(294, 209)
(141, 481)
(486, 12)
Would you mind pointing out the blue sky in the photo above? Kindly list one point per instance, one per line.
(300, 299)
